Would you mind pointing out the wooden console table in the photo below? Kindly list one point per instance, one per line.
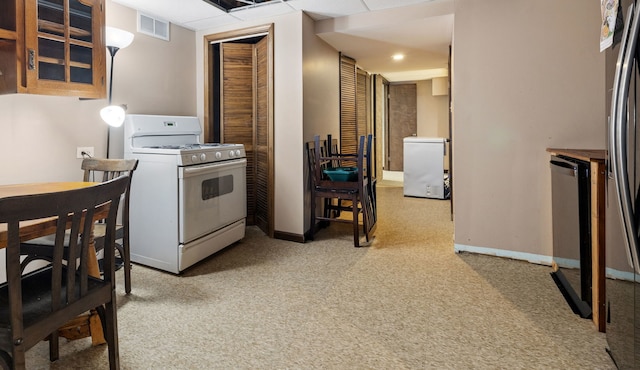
(596, 158)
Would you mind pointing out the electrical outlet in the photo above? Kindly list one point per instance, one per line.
(86, 150)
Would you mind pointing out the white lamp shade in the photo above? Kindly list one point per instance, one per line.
(118, 38)
(113, 115)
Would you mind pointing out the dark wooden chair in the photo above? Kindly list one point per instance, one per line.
(352, 196)
(330, 149)
(33, 306)
(369, 172)
(96, 170)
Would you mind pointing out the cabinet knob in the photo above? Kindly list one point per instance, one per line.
(32, 59)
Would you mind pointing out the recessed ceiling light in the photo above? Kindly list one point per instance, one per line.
(398, 57)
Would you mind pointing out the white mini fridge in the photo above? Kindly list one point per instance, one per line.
(424, 167)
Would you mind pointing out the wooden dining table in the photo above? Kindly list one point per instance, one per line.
(85, 325)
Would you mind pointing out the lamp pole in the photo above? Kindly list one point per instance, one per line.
(112, 51)
(115, 39)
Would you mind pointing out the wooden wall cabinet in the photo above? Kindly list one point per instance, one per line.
(53, 47)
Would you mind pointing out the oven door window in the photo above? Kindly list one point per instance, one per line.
(212, 188)
(211, 197)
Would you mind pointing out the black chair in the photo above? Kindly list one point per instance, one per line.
(97, 170)
(33, 306)
(354, 196)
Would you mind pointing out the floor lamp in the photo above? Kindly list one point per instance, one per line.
(113, 115)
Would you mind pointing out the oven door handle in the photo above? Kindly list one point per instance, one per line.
(208, 168)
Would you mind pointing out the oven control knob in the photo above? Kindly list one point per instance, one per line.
(238, 153)
(218, 155)
(231, 154)
(194, 158)
(203, 157)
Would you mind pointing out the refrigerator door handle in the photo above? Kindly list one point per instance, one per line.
(619, 128)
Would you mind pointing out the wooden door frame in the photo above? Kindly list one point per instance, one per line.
(267, 31)
(379, 120)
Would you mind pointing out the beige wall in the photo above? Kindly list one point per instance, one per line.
(321, 77)
(432, 113)
(321, 96)
(527, 75)
(152, 76)
(40, 133)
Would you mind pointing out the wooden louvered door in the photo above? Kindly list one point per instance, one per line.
(348, 112)
(239, 92)
(263, 202)
(362, 103)
(237, 108)
(355, 105)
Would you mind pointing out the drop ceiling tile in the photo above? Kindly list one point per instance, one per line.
(174, 11)
(262, 11)
(386, 4)
(212, 22)
(328, 8)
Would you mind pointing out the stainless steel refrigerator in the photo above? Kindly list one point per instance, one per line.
(623, 193)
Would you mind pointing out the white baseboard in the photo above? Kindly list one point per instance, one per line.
(529, 257)
(537, 259)
(621, 275)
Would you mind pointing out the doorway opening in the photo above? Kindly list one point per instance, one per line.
(238, 105)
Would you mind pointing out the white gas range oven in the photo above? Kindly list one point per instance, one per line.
(188, 200)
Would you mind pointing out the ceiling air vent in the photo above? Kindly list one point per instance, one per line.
(153, 26)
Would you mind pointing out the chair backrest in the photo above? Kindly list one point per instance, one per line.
(310, 148)
(100, 170)
(320, 162)
(330, 149)
(71, 208)
(370, 169)
(360, 159)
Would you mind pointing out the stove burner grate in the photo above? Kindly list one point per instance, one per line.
(188, 146)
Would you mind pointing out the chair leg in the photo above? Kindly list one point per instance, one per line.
(54, 348)
(356, 236)
(111, 333)
(5, 361)
(367, 214)
(126, 258)
(365, 218)
(312, 230)
(326, 209)
(18, 358)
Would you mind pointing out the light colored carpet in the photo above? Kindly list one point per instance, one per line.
(406, 302)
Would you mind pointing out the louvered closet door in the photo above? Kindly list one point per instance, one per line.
(348, 113)
(362, 106)
(262, 137)
(237, 108)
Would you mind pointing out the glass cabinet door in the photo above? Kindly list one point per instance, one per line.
(65, 48)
